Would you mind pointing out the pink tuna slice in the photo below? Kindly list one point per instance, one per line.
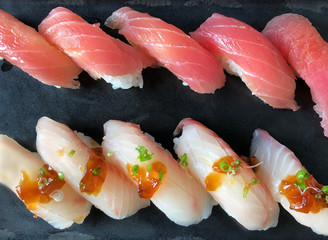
(171, 47)
(91, 48)
(305, 50)
(246, 53)
(25, 48)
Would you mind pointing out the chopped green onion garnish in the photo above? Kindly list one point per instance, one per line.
(61, 176)
(324, 189)
(255, 181)
(110, 154)
(71, 153)
(42, 181)
(43, 171)
(149, 167)
(317, 196)
(326, 198)
(143, 154)
(135, 169)
(248, 185)
(82, 184)
(161, 173)
(245, 191)
(302, 174)
(96, 171)
(237, 163)
(224, 166)
(184, 160)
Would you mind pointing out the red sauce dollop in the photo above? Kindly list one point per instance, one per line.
(95, 174)
(214, 179)
(148, 181)
(38, 190)
(310, 200)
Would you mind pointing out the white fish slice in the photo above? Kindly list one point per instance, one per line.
(60, 214)
(117, 198)
(255, 211)
(277, 163)
(180, 197)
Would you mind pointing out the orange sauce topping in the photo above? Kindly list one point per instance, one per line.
(310, 200)
(38, 190)
(95, 173)
(214, 179)
(148, 181)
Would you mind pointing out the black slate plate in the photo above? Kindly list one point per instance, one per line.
(232, 112)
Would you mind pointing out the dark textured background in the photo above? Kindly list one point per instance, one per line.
(232, 112)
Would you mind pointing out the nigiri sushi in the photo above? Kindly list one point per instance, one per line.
(86, 170)
(156, 174)
(93, 50)
(25, 48)
(42, 189)
(306, 51)
(171, 47)
(290, 183)
(230, 181)
(247, 53)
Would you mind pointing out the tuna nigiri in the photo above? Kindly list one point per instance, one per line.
(86, 170)
(290, 183)
(156, 174)
(171, 47)
(229, 179)
(306, 51)
(92, 49)
(24, 47)
(39, 186)
(246, 53)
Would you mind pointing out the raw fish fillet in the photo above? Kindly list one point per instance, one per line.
(246, 53)
(25, 48)
(60, 214)
(118, 197)
(93, 50)
(171, 47)
(277, 163)
(180, 197)
(255, 211)
(306, 51)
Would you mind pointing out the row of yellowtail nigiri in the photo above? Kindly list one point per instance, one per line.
(130, 169)
(259, 59)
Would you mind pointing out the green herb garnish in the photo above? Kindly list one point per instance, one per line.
(237, 163)
(71, 153)
(143, 154)
(110, 154)
(224, 166)
(135, 169)
(42, 181)
(248, 185)
(301, 176)
(184, 161)
(82, 184)
(96, 171)
(149, 167)
(61, 176)
(161, 173)
(43, 171)
(324, 189)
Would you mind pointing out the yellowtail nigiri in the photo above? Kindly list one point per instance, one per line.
(86, 170)
(156, 173)
(229, 179)
(290, 183)
(41, 188)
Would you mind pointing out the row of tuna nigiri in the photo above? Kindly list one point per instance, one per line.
(259, 59)
(129, 169)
